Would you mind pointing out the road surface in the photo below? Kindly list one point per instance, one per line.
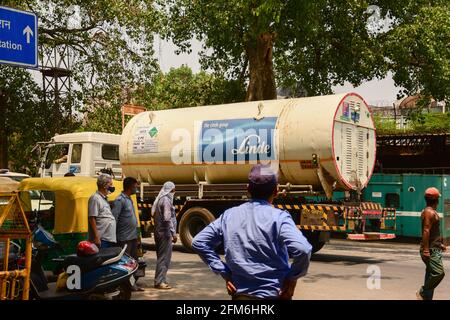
(341, 270)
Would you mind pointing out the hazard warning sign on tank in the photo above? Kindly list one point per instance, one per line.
(146, 140)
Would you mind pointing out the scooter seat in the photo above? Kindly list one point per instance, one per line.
(89, 263)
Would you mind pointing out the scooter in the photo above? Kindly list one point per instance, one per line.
(107, 275)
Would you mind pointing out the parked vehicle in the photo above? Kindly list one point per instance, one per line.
(81, 153)
(404, 192)
(107, 274)
(319, 145)
(67, 216)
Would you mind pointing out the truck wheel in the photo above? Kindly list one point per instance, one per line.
(192, 222)
(313, 239)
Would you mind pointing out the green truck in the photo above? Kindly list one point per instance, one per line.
(405, 193)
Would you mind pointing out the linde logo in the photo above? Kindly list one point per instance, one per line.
(237, 140)
(246, 148)
(227, 141)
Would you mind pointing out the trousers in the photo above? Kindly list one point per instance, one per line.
(163, 256)
(434, 273)
(132, 247)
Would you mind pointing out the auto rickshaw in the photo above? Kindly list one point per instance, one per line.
(60, 206)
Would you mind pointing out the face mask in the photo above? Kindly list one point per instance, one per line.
(111, 189)
(134, 191)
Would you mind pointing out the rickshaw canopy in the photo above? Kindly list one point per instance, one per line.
(71, 199)
(8, 185)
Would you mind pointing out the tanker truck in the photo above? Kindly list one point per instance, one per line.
(320, 146)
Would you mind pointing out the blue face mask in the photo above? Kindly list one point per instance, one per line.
(111, 189)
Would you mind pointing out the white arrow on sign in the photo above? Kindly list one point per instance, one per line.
(28, 32)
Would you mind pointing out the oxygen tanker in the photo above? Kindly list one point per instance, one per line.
(327, 142)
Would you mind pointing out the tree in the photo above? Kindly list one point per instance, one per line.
(420, 121)
(24, 119)
(317, 44)
(179, 88)
(417, 48)
(111, 43)
(111, 40)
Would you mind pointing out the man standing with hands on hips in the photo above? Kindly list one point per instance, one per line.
(258, 240)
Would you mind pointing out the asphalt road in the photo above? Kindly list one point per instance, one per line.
(341, 270)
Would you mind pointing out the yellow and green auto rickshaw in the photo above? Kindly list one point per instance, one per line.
(60, 205)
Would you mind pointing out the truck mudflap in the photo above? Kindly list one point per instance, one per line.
(367, 236)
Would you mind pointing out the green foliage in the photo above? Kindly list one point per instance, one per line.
(316, 43)
(24, 118)
(420, 122)
(325, 43)
(322, 43)
(384, 125)
(179, 88)
(103, 119)
(110, 42)
(111, 48)
(111, 51)
(432, 123)
(417, 48)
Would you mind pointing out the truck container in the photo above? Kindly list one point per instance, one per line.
(335, 132)
(318, 145)
(405, 192)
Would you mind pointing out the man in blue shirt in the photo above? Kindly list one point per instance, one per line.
(258, 240)
(126, 221)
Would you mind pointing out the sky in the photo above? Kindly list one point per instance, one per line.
(376, 92)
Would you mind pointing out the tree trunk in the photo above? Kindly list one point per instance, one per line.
(262, 79)
(3, 133)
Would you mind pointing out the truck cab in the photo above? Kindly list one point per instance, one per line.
(82, 154)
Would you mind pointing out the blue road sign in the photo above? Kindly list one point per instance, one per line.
(18, 38)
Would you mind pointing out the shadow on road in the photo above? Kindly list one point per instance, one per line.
(319, 257)
(191, 280)
(312, 278)
(176, 247)
(346, 260)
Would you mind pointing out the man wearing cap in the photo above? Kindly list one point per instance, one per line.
(258, 240)
(431, 246)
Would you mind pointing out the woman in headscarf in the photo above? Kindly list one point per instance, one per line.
(163, 212)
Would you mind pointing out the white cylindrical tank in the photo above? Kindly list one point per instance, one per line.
(311, 140)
